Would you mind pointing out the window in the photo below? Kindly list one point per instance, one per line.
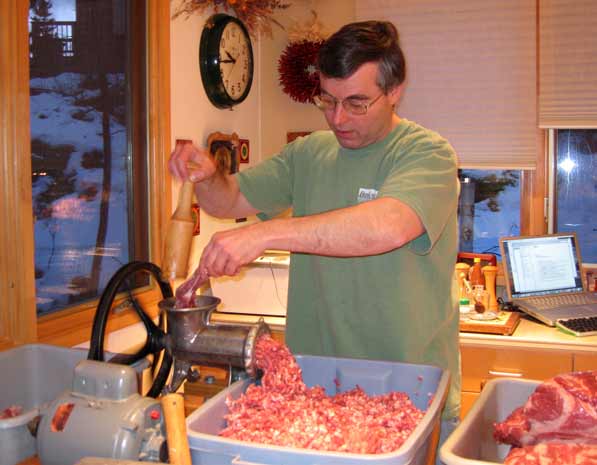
(18, 320)
(88, 153)
(575, 187)
(489, 208)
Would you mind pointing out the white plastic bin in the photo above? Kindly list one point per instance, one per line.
(472, 442)
(375, 377)
(33, 375)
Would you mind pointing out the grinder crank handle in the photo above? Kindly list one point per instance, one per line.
(179, 452)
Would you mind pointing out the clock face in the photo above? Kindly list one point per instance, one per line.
(235, 58)
(226, 60)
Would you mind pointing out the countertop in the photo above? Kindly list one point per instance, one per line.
(532, 334)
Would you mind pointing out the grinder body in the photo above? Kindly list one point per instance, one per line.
(192, 339)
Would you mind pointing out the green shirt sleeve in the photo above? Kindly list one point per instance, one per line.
(426, 179)
(268, 186)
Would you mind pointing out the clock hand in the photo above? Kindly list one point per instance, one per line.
(230, 57)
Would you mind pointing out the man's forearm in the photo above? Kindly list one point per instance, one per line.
(370, 228)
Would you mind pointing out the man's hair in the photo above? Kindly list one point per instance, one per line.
(364, 42)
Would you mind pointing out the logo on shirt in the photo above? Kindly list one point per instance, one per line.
(366, 194)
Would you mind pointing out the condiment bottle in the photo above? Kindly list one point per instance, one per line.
(475, 275)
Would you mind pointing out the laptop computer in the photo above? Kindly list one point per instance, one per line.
(544, 279)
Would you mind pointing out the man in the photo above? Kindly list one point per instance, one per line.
(373, 234)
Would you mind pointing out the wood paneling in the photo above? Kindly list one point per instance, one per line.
(17, 286)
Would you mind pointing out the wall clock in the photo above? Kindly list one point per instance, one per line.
(226, 60)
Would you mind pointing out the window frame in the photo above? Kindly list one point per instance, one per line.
(19, 323)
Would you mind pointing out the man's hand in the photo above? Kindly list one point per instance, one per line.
(228, 251)
(191, 162)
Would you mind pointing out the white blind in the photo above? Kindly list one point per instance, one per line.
(568, 64)
(471, 74)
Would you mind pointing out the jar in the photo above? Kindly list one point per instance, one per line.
(480, 304)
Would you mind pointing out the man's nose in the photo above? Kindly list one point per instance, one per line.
(340, 115)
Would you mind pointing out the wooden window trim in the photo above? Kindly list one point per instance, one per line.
(18, 321)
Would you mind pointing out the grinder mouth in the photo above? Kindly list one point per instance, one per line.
(201, 303)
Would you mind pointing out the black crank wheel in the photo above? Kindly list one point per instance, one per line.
(155, 343)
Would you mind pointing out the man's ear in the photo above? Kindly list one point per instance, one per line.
(394, 94)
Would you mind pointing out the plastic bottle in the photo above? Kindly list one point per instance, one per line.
(475, 275)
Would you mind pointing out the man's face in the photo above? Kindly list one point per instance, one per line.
(356, 131)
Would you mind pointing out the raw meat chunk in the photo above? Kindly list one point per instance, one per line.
(562, 409)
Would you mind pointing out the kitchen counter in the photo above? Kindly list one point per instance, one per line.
(531, 334)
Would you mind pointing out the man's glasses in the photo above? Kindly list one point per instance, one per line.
(355, 107)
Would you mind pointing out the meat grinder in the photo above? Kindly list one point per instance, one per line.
(193, 339)
(104, 414)
(185, 336)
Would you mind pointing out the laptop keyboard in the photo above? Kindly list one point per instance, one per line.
(564, 300)
(583, 326)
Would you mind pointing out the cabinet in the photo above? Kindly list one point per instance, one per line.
(585, 361)
(480, 364)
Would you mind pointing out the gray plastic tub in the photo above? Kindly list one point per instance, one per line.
(32, 376)
(421, 382)
(472, 442)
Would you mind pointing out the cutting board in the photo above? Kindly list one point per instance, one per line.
(505, 324)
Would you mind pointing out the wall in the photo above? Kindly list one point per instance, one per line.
(267, 113)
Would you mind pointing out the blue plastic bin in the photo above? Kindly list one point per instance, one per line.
(375, 377)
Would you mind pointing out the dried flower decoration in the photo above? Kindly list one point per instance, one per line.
(257, 15)
(311, 30)
(297, 68)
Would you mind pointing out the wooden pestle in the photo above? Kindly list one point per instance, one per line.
(179, 452)
(461, 270)
(177, 243)
(490, 273)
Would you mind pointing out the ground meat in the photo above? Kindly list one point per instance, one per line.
(283, 411)
(11, 412)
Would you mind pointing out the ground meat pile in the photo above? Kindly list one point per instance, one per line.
(283, 411)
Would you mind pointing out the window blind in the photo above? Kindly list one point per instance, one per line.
(471, 74)
(567, 64)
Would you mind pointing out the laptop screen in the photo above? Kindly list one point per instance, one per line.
(543, 265)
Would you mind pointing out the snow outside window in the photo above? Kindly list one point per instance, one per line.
(87, 146)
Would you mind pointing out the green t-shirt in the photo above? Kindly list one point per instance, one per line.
(398, 305)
